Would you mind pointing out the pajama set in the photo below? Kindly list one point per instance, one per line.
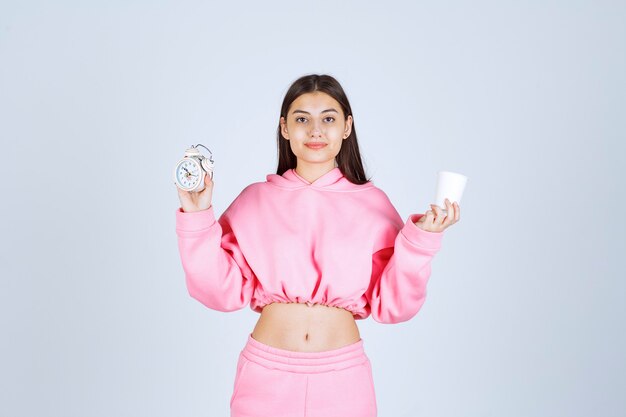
(328, 242)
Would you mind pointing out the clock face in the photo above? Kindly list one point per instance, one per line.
(188, 173)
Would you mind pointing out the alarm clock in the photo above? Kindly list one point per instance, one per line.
(190, 170)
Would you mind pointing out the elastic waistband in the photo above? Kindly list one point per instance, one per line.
(304, 362)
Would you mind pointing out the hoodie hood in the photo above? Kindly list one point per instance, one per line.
(333, 180)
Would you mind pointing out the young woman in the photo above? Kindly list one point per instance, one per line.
(313, 248)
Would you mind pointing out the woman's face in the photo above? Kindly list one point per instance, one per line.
(315, 118)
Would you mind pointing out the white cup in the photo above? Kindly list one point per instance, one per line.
(450, 185)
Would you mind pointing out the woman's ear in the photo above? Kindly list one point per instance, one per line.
(283, 128)
(348, 128)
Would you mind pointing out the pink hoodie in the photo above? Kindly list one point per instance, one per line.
(328, 242)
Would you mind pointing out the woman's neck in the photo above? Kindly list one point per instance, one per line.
(312, 172)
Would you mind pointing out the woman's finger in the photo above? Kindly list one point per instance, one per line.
(428, 218)
(439, 215)
(450, 216)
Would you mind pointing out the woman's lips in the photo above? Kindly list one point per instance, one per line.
(315, 145)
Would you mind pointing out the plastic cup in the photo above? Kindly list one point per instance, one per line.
(450, 185)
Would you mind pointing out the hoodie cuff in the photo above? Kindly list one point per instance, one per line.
(419, 237)
(194, 221)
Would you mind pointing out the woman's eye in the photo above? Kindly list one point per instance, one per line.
(298, 118)
(330, 117)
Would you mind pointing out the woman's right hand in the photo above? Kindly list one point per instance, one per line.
(194, 201)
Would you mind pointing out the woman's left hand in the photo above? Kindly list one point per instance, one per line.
(436, 220)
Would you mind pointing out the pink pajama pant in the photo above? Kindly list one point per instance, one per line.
(272, 382)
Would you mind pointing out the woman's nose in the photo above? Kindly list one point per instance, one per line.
(316, 129)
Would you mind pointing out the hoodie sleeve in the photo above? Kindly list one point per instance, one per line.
(216, 271)
(401, 267)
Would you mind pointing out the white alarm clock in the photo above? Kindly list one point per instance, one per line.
(190, 170)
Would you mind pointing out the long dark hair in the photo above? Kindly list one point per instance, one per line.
(349, 157)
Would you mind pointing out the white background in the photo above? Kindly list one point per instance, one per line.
(525, 313)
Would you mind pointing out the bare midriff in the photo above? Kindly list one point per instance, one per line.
(303, 328)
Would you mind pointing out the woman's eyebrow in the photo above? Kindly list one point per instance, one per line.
(306, 112)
